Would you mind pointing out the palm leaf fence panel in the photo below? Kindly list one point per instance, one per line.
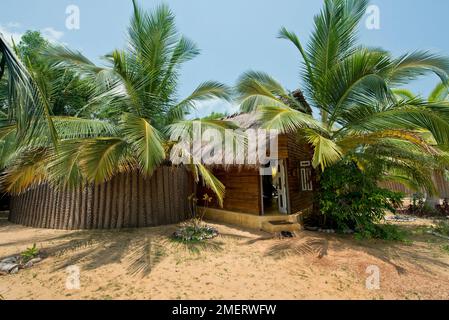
(127, 201)
(440, 181)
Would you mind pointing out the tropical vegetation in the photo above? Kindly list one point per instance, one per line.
(350, 197)
(68, 121)
(355, 117)
(65, 120)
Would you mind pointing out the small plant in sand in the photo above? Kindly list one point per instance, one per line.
(30, 253)
(24, 260)
(195, 230)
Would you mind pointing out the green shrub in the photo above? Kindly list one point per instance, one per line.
(192, 234)
(386, 232)
(350, 198)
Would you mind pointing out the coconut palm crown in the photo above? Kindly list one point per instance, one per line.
(133, 102)
(350, 87)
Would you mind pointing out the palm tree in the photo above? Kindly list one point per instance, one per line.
(29, 95)
(350, 87)
(440, 94)
(133, 106)
(27, 108)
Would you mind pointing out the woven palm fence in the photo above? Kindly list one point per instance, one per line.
(127, 201)
(440, 181)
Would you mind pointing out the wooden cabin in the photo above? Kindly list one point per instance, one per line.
(254, 200)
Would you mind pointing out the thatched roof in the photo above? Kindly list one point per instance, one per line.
(252, 120)
(300, 97)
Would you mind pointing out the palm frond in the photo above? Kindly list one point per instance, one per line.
(27, 171)
(205, 91)
(293, 38)
(440, 93)
(349, 79)
(351, 142)
(287, 119)
(409, 118)
(413, 65)
(64, 166)
(257, 88)
(210, 181)
(145, 141)
(334, 34)
(404, 94)
(102, 158)
(326, 151)
(74, 127)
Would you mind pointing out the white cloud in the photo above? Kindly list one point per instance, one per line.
(9, 31)
(13, 25)
(52, 34)
(8, 34)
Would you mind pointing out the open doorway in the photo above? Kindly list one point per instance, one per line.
(274, 191)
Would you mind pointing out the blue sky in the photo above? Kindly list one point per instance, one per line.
(234, 35)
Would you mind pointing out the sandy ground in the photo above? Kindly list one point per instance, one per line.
(240, 264)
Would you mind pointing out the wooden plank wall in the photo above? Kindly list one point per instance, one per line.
(297, 151)
(243, 190)
(127, 201)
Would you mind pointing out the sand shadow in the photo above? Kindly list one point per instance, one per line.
(299, 246)
(140, 249)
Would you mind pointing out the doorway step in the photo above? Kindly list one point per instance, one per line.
(279, 226)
